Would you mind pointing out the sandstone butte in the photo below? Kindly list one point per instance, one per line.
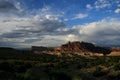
(75, 48)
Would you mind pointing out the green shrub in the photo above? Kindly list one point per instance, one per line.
(114, 75)
(6, 75)
(19, 76)
(99, 72)
(21, 68)
(117, 66)
(5, 66)
(58, 75)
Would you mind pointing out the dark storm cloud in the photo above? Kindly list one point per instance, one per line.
(4, 43)
(13, 35)
(33, 31)
(7, 5)
(33, 40)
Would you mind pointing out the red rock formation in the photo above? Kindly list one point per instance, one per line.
(82, 47)
(74, 46)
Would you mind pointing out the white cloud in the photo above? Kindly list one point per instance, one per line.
(118, 5)
(105, 32)
(45, 9)
(27, 30)
(99, 4)
(80, 16)
(21, 30)
(117, 10)
(51, 17)
(43, 31)
(88, 6)
(66, 19)
(71, 37)
(76, 16)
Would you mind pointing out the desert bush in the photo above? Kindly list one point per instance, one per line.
(117, 66)
(28, 75)
(6, 66)
(114, 75)
(59, 75)
(20, 68)
(6, 75)
(36, 73)
(19, 76)
(99, 72)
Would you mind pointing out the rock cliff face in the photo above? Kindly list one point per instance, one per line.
(72, 48)
(82, 47)
(116, 49)
(75, 46)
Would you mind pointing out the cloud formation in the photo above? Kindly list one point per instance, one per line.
(117, 10)
(29, 29)
(104, 31)
(43, 27)
(10, 8)
(105, 5)
(88, 6)
(80, 16)
(49, 32)
(7, 5)
(102, 4)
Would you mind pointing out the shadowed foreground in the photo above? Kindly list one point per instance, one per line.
(23, 65)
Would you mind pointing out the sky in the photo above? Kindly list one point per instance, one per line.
(26, 23)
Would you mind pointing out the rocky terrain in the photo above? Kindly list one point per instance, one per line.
(74, 48)
(116, 49)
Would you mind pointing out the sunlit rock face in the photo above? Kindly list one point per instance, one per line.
(82, 48)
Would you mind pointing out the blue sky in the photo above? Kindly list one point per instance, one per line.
(24, 23)
(93, 9)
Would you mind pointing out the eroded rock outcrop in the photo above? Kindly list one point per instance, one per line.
(72, 49)
(83, 48)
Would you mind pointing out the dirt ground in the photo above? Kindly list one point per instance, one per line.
(114, 54)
